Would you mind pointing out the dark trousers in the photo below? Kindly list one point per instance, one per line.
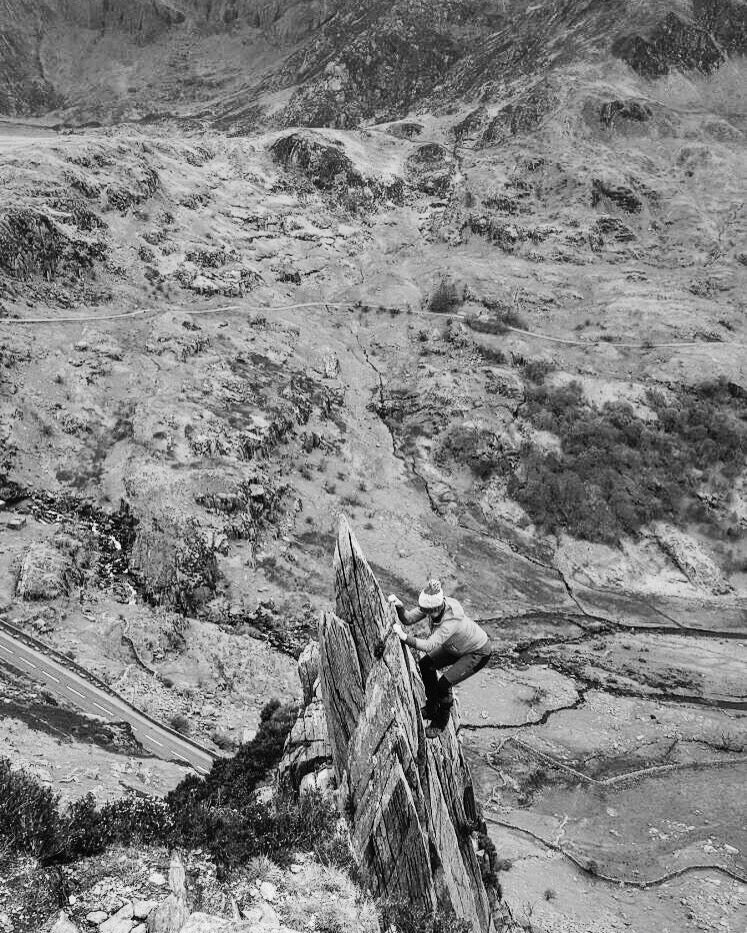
(460, 667)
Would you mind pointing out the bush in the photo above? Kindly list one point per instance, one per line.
(536, 370)
(233, 836)
(29, 817)
(219, 813)
(445, 298)
(617, 472)
(232, 781)
(180, 722)
(402, 917)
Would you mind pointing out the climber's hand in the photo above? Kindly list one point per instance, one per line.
(394, 600)
(400, 631)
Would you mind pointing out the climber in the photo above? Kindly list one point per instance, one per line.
(455, 642)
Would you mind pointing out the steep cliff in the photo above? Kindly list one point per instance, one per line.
(409, 800)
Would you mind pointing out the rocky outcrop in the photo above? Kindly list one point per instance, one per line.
(410, 800)
(172, 913)
(307, 753)
(691, 559)
(45, 573)
(672, 44)
(328, 167)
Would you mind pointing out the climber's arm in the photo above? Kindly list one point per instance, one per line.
(435, 640)
(407, 616)
(411, 616)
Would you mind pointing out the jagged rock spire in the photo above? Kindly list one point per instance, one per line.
(409, 799)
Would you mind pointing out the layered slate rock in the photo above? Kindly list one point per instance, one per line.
(409, 799)
(307, 750)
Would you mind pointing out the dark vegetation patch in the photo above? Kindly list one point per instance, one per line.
(726, 20)
(288, 632)
(220, 814)
(507, 236)
(673, 44)
(446, 297)
(616, 472)
(70, 725)
(477, 447)
(173, 563)
(404, 918)
(33, 244)
(141, 186)
(113, 531)
(501, 318)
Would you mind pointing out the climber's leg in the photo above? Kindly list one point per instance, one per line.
(444, 702)
(462, 668)
(468, 665)
(429, 667)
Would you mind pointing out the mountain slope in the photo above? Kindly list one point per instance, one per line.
(329, 63)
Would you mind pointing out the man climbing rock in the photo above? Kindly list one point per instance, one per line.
(455, 642)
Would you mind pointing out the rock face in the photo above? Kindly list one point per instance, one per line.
(45, 573)
(410, 800)
(172, 913)
(307, 750)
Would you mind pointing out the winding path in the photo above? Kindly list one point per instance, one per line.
(537, 335)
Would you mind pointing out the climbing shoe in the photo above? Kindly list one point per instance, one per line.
(440, 721)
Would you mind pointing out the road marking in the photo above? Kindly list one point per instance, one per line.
(76, 692)
(6, 650)
(29, 663)
(150, 737)
(107, 711)
(51, 677)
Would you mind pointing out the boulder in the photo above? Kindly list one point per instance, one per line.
(307, 747)
(141, 909)
(121, 922)
(263, 914)
(308, 671)
(409, 799)
(172, 913)
(45, 573)
(692, 560)
(64, 925)
(321, 781)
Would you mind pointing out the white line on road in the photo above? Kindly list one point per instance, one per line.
(51, 677)
(6, 650)
(150, 738)
(76, 692)
(109, 712)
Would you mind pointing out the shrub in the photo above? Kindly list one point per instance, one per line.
(180, 722)
(220, 813)
(617, 472)
(402, 917)
(31, 822)
(536, 370)
(29, 815)
(445, 298)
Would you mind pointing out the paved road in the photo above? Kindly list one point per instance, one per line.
(73, 688)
